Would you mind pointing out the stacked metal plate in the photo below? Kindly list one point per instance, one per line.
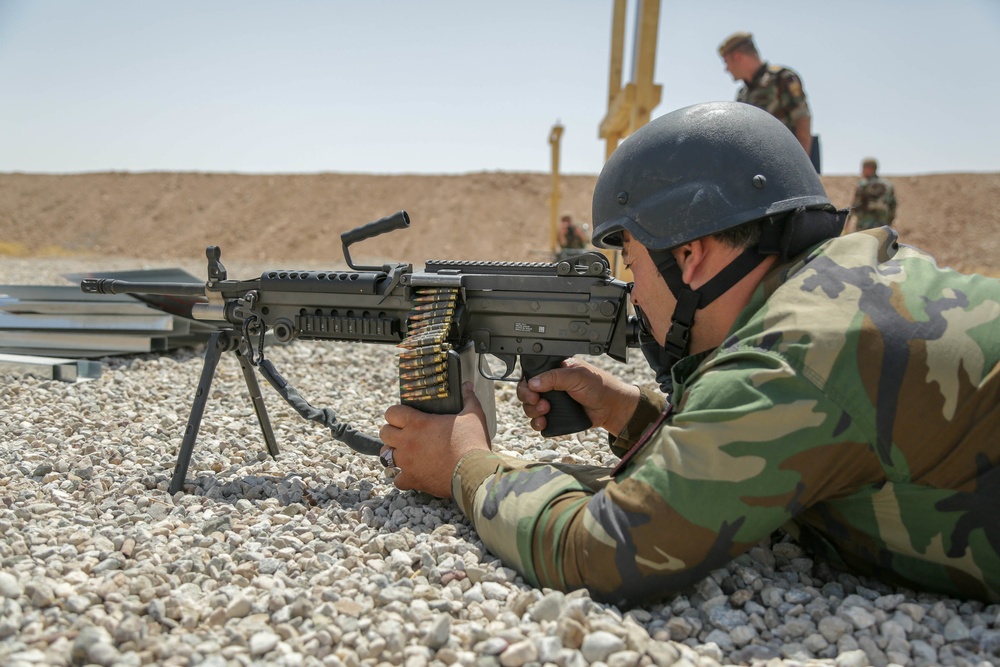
(51, 330)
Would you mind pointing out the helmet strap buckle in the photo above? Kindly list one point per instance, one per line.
(679, 336)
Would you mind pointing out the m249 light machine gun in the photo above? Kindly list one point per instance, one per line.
(441, 318)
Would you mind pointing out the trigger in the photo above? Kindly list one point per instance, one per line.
(509, 361)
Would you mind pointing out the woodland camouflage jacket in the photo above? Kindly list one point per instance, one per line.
(778, 91)
(855, 402)
(874, 203)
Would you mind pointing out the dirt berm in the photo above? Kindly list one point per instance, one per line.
(487, 215)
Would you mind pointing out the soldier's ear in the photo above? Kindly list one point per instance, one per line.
(692, 260)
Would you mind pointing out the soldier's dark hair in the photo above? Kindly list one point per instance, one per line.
(746, 235)
(746, 46)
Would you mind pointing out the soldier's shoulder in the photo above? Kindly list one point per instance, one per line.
(783, 71)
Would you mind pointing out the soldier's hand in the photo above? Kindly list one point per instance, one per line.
(426, 448)
(608, 401)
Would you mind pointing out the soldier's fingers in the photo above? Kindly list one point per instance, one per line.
(538, 409)
(401, 415)
(402, 481)
(525, 394)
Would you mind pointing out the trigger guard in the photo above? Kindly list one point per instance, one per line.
(508, 360)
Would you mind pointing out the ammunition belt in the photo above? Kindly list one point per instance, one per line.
(423, 362)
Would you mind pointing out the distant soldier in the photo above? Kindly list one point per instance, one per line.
(572, 239)
(874, 198)
(774, 88)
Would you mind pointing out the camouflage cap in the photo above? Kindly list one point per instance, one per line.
(735, 40)
(869, 161)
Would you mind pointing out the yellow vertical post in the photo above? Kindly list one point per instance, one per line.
(612, 132)
(554, 138)
(647, 94)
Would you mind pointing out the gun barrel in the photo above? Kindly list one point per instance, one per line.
(111, 286)
(208, 312)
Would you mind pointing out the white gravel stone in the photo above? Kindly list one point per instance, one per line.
(519, 653)
(263, 642)
(597, 646)
(10, 587)
(859, 617)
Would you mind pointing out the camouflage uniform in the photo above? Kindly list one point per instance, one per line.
(574, 238)
(778, 91)
(874, 203)
(855, 402)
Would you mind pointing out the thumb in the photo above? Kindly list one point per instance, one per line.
(542, 382)
(470, 402)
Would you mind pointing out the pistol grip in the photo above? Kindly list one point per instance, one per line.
(565, 415)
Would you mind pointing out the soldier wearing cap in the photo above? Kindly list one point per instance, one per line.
(874, 198)
(774, 88)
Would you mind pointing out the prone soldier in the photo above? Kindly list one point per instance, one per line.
(843, 388)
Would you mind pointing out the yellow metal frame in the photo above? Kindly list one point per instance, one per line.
(630, 106)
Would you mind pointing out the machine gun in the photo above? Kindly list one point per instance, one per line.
(441, 318)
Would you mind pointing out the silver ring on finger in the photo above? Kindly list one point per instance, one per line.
(387, 459)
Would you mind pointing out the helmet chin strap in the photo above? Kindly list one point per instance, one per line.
(689, 301)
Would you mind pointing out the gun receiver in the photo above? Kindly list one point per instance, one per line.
(535, 313)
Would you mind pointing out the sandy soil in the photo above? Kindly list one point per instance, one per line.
(488, 215)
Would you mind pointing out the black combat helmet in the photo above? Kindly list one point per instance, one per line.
(698, 171)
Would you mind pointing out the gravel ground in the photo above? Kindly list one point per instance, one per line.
(315, 558)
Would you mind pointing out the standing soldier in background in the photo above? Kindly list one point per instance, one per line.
(874, 199)
(773, 88)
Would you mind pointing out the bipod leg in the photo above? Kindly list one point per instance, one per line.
(258, 404)
(219, 342)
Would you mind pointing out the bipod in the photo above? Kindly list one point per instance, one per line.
(221, 341)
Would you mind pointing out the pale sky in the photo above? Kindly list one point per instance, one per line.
(450, 86)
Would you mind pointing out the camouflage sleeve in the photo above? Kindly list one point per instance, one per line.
(891, 203)
(650, 406)
(793, 96)
(751, 434)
